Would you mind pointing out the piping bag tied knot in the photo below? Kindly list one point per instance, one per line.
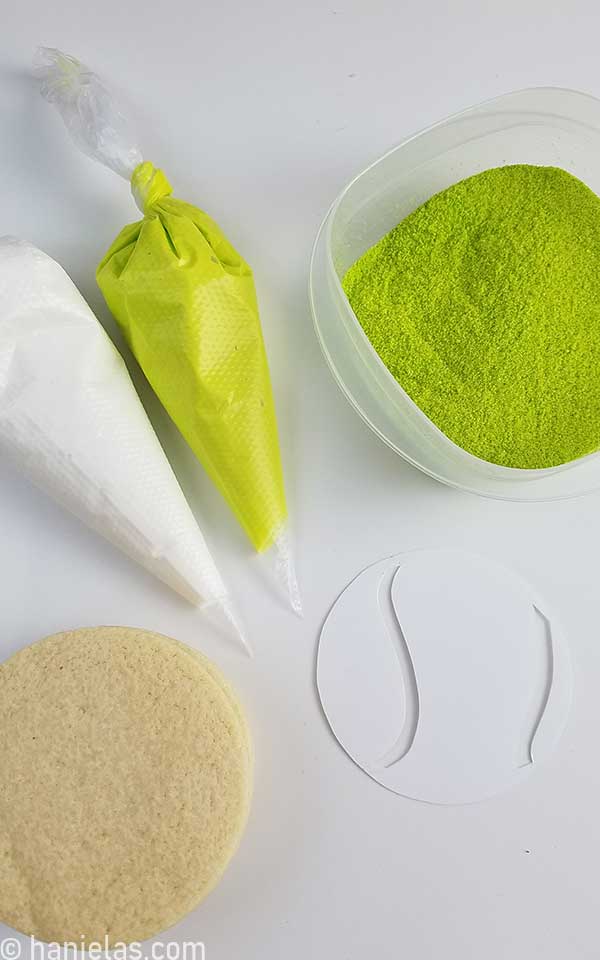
(148, 186)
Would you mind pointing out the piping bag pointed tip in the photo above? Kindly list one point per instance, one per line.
(293, 590)
(285, 572)
(224, 618)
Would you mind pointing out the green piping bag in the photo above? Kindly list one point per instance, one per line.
(186, 303)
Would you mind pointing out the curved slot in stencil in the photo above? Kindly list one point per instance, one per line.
(406, 737)
(542, 638)
(359, 677)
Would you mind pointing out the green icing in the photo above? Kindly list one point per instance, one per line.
(484, 304)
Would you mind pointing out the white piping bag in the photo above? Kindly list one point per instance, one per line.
(71, 420)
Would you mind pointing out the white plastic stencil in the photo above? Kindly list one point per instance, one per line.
(443, 676)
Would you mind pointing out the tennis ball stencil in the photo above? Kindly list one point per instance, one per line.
(462, 676)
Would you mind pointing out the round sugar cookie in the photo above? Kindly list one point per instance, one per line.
(126, 778)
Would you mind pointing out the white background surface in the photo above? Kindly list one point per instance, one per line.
(260, 113)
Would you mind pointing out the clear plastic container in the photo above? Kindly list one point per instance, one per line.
(544, 126)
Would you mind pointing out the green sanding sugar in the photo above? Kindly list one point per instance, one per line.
(484, 304)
